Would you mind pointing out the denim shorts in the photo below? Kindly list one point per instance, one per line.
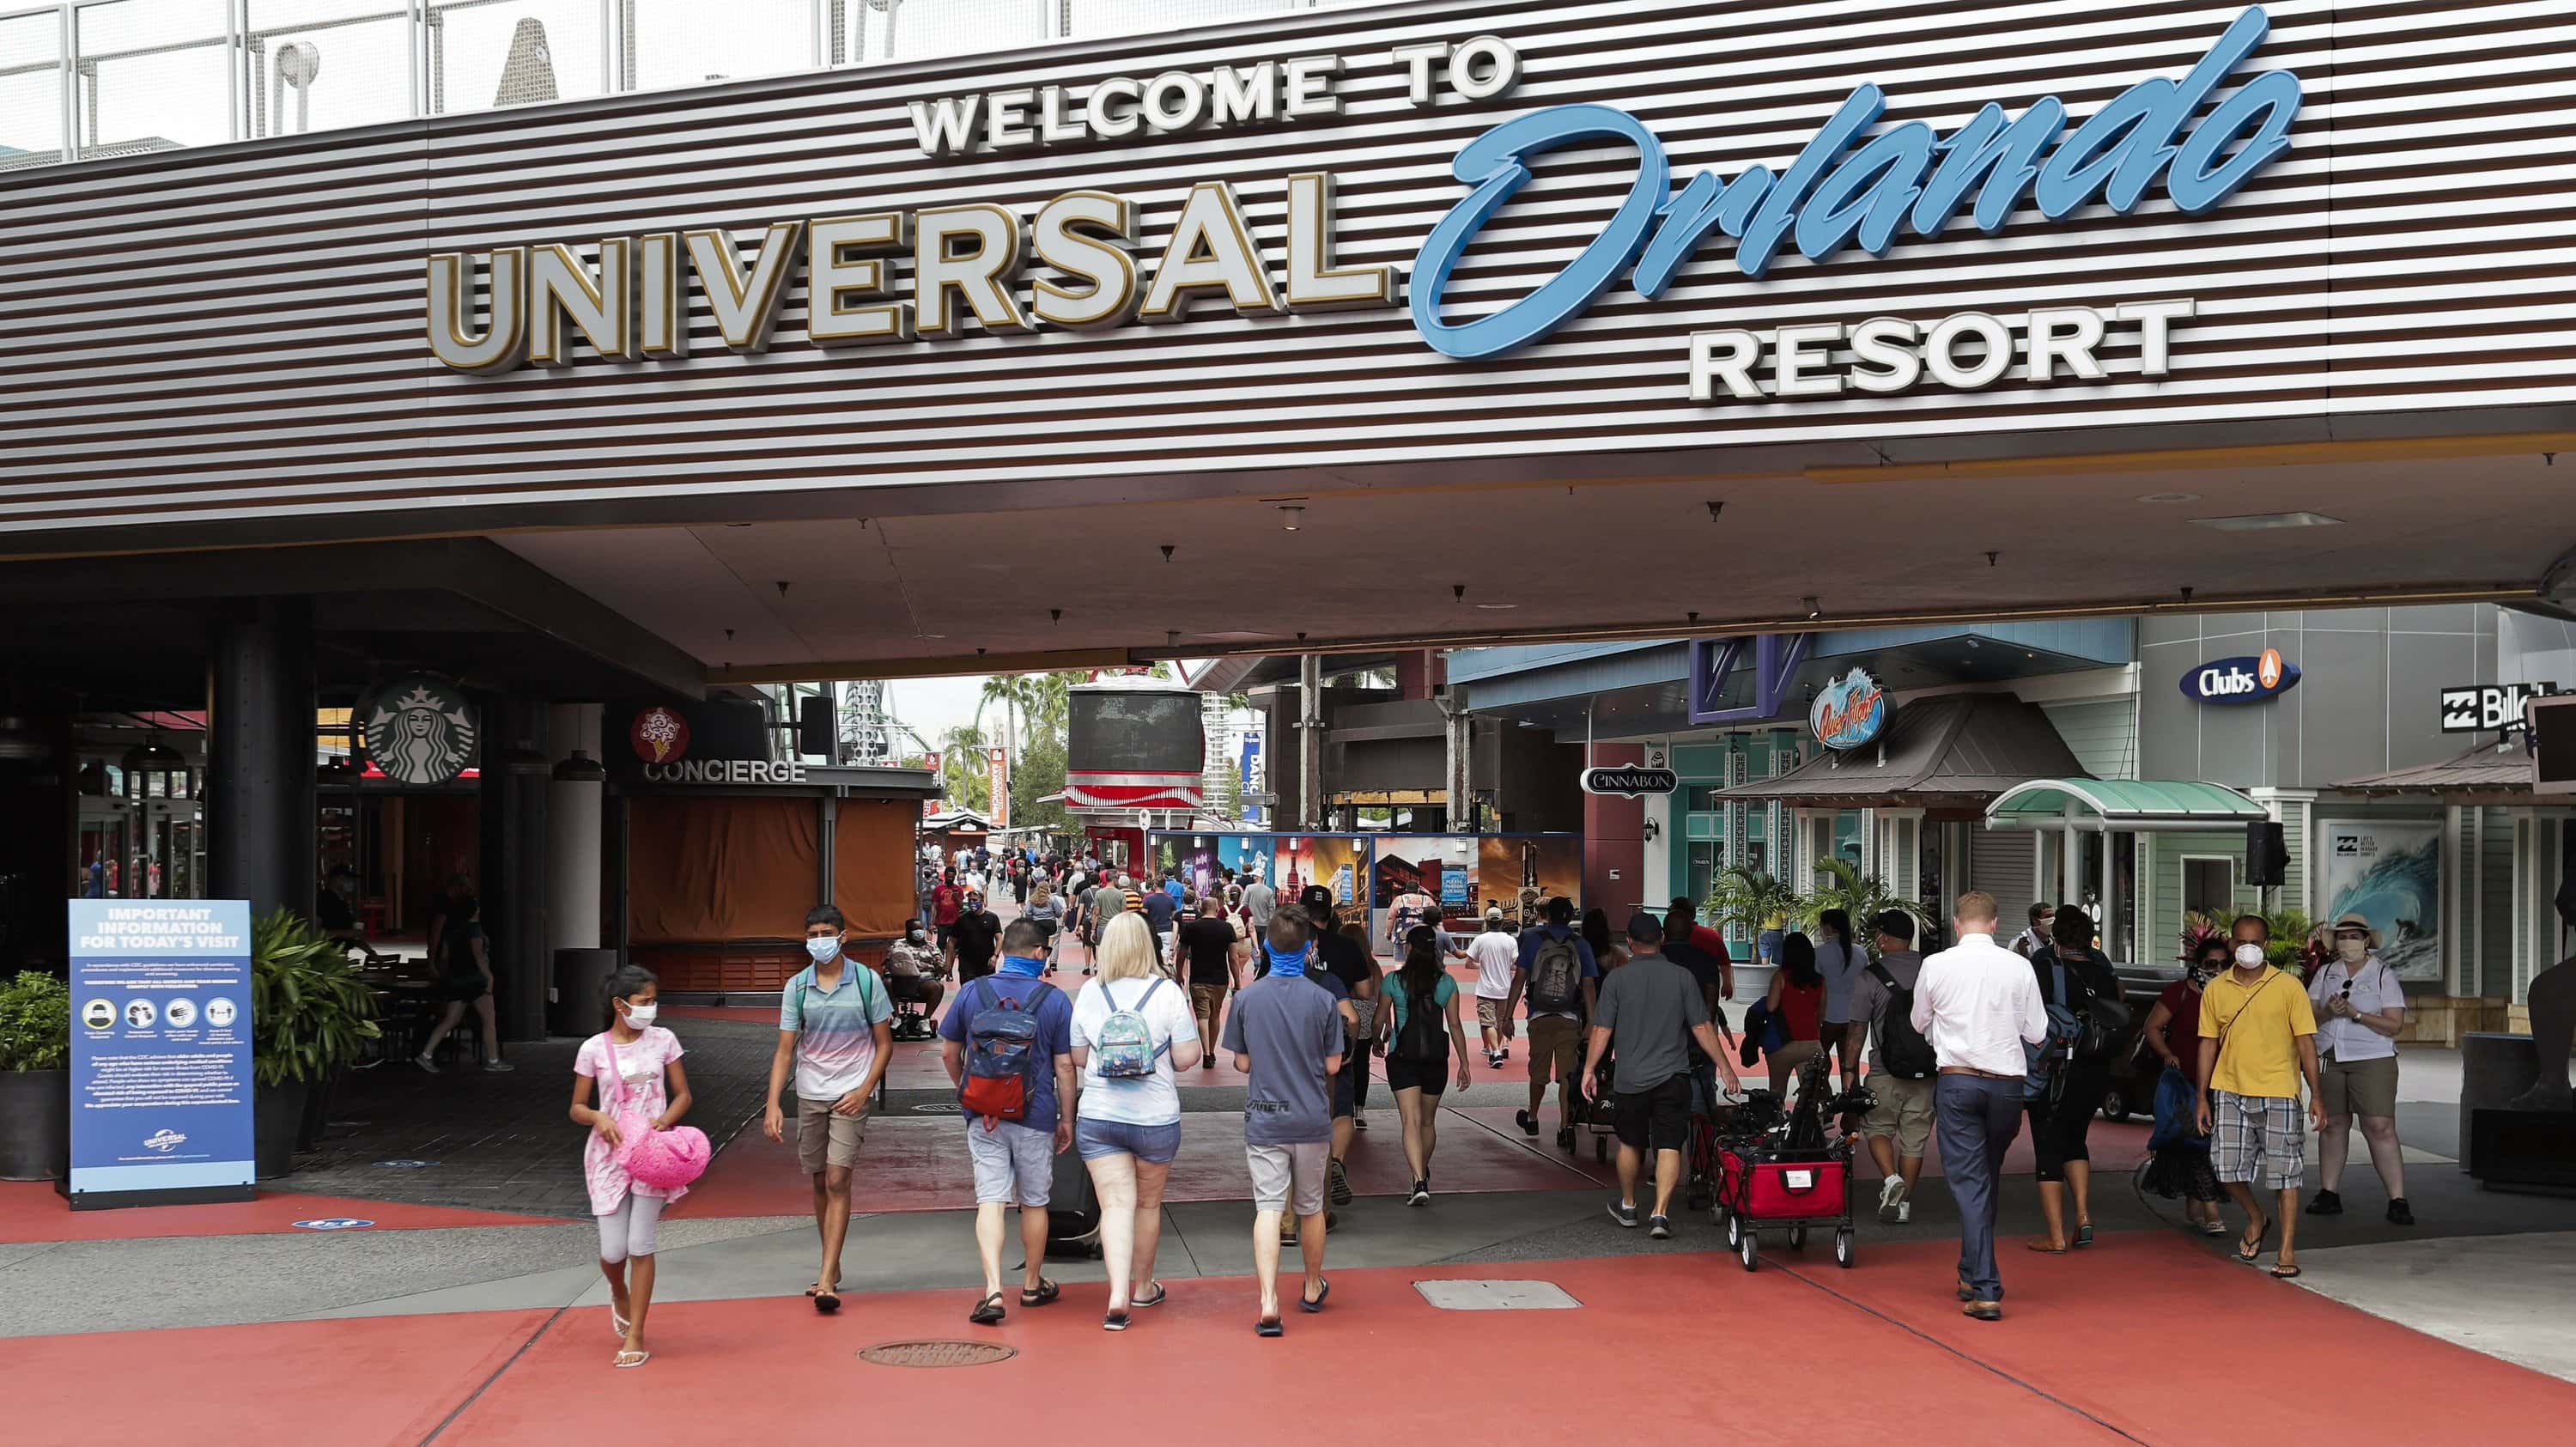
(1155, 1145)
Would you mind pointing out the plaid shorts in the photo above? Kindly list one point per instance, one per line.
(2257, 1139)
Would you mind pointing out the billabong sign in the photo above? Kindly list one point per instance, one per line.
(1629, 781)
(2241, 680)
(2489, 708)
(1850, 712)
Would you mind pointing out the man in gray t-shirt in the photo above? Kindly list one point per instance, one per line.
(1651, 1009)
(1259, 904)
(1288, 1041)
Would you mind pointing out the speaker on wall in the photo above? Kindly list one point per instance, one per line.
(2267, 854)
(814, 733)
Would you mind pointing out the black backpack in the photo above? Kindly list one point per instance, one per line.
(1425, 1035)
(2107, 1026)
(1907, 1053)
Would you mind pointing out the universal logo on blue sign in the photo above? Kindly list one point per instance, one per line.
(1905, 179)
(2241, 680)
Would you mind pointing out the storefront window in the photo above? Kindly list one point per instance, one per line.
(2209, 886)
(1707, 857)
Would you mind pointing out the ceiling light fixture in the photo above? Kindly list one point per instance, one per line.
(1813, 612)
(2268, 521)
(1498, 607)
(1292, 515)
(2164, 497)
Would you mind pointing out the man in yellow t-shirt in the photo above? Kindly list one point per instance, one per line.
(2258, 1039)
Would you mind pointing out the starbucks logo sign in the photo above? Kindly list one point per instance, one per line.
(419, 730)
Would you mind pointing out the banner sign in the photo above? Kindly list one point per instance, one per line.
(1850, 712)
(2241, 680)
(1629, 780)
(2489, 708)
(161, 1051)
(998, 782)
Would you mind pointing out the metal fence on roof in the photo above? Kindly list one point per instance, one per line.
(87, 79)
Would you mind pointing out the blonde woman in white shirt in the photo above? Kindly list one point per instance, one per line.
(1129, 1129)
(2360, 1010)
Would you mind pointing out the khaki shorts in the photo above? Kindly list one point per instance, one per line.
(1555, 1048)
(1207, 1002)
(1904, 1110)
(1489, 1014)
(823, 1138)
(2359, 1087)
(1289, 1178)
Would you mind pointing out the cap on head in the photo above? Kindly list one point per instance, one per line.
(1645, 929)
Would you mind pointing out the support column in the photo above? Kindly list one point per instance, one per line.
(573, 799)
(1310, 742)
(1457, 770)
(516, 778)
(260, 825)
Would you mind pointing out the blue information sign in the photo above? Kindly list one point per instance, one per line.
(161, 1072)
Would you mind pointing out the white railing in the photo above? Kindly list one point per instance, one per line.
(84, 79)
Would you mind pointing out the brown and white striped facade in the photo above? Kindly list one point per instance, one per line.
(226, 344)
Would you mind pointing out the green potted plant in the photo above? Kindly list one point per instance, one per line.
(1862, 898)
(35, 1077)
(311, 1015)
(1750, 900)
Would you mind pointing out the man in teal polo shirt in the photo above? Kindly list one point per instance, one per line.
(835, 1033)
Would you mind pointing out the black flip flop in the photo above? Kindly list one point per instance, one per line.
(1045, 1295)
(988, 1310)
(2248, 1253)
(1318, 1303)
(827, 1302)
(1268, 1326)
(1160, 1292)
(2284, 1273)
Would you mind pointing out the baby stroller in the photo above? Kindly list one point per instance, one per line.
(1780, 1170)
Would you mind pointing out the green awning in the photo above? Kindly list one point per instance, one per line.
(2151, 804)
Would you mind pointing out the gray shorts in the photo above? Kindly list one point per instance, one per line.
(2257, 1140)
(1014, 1165)
(1277, 1171)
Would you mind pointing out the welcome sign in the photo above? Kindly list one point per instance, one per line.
(900, 277)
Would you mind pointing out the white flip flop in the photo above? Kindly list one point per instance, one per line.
(617, 1323)
(620, 1360)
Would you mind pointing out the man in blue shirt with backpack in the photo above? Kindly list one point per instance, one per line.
(1008, 1044)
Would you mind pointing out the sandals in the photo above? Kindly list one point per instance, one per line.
(617, 1323)
(2213, 1228)
(1045, 1295)
(1116, 1320)
(988, 1310)
(2247, 1251)
(1317, 1304)
(1268, 1326)
(2045, 1249)
(2284, 1273)
(639, 1358)
(1156, 1299)
(2084, 1235)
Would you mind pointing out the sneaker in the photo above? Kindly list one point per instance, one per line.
(1904, 1212)
(1421, 1194)
(2327, 1203)
(425, 1063)
(1527, 1122)
(1502, 1055)
(1338, 1184)
(1659, 1227)
(1624, 1214)
(2399, 1213)
(1493, 1060)
(498, 1067)
(1890, 1191)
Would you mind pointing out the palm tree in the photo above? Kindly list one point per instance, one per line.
(1018, 694)
(962, 775)
(1861, 897)
(1751, 900)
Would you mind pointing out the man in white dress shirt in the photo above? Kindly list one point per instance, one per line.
(1978, 1003)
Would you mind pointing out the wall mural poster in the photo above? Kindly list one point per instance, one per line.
(1442, 866)
(2389, 871)
(1522, 874)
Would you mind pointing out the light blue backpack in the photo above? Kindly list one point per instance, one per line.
(1123, 1047)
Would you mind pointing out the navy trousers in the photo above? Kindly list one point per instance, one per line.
(1976, 1118)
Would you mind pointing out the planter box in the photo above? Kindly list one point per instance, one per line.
(35, 1124)
(277, 1121)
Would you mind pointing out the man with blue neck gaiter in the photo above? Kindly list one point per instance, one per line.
(1287, 1039)
(1012, 1014)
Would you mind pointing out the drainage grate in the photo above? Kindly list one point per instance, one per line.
(1496, 1295)
(937, 1354)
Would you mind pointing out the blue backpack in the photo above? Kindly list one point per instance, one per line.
(1001, 1048)
(2051, 1052)
(1123, 1047)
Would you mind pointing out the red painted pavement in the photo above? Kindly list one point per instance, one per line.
(354, 1383)
(31, 1211)
(920, 1164)
(1659, 1344)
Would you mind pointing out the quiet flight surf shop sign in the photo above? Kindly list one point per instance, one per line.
(891, 278)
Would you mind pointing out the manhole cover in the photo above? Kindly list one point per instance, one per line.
(936, 1107)
(937, 1354)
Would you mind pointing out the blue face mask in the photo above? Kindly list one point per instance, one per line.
(823, 948)
(1019, 965)
(1285, 962)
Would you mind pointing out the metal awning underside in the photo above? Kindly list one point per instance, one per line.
(2131, 804)
(1953, 751)
(2483, 775)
